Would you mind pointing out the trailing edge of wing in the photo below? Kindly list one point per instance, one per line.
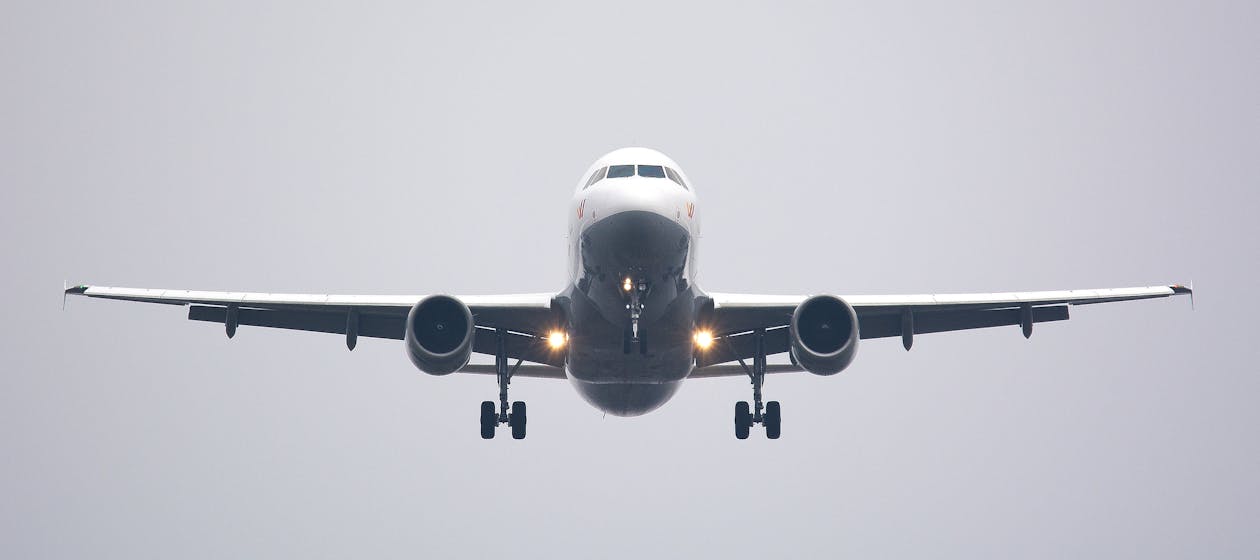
(525, 370)
(554, 372)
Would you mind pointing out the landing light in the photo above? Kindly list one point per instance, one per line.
(557, 339)
(627, 285)
(704, 339)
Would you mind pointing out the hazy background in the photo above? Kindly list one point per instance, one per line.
(404, 148)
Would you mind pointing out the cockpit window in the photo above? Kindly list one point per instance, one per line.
(595, 177)
(619, 171)
(675, 177)
(655, 171)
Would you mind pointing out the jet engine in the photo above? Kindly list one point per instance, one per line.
(439, 335)
(824, 335)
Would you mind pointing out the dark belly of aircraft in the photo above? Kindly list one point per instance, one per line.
(632, 261)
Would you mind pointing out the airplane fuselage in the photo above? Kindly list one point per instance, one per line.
(631, 295)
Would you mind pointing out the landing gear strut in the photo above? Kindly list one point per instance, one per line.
(635, 291)
(768, 415)
(514, 417)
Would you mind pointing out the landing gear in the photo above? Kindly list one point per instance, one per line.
(768, 415)
(514, 417)
(635, 292)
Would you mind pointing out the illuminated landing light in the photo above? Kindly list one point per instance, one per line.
(627, 285)
(704, 339)
(557, 339)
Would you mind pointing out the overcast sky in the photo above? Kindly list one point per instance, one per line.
(419, 148)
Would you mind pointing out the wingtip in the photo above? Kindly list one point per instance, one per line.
(76, 290)
(1178, 289)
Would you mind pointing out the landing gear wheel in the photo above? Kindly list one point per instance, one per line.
(769, 415)
(743, 420)
(489, 420)
(515, 416)
(772, 420)
(517, 420)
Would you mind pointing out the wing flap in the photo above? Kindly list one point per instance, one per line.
(526, 370)
(742, 346)
(370, 325)
(734, 347)
(517, 346)
(925, 322)
(736, 370)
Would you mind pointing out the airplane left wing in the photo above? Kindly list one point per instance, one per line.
(524, 316)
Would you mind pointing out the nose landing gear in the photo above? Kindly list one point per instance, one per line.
(513, 417)
(768, 415)
(636, 291)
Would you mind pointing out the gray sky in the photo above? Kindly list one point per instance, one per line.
(404, 148)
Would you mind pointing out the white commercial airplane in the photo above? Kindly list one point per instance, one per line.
(632, 323)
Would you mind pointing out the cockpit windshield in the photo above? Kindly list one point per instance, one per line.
(655, 171)
(621, 171)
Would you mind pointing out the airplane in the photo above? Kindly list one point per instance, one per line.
(632, 323)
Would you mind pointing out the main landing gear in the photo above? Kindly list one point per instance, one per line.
(769, 415)
(514, 417)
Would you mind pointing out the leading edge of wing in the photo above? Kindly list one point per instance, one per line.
(279, 301)
(960, 301)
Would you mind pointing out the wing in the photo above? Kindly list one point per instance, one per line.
(524, 316)
(735, 315)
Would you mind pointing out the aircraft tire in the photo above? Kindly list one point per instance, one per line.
(743, 420)
(488, 420)
(773, 420)
(517, 420)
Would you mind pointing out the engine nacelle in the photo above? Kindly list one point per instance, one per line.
(439, 335)
(824, 335)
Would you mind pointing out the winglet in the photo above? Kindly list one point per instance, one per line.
(1179, 289)
(76, 290)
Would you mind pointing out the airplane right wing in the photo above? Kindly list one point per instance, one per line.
(736, 315)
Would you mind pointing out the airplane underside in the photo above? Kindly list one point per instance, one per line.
(632, 313)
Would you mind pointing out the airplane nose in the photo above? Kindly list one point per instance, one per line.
(631, 195)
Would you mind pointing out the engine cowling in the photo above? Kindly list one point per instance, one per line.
(439, 335)
(824, 335)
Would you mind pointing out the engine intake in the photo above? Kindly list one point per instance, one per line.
(439, 335)
(824, 335)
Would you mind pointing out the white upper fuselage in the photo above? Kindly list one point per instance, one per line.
(609, 196)
(630, 302)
